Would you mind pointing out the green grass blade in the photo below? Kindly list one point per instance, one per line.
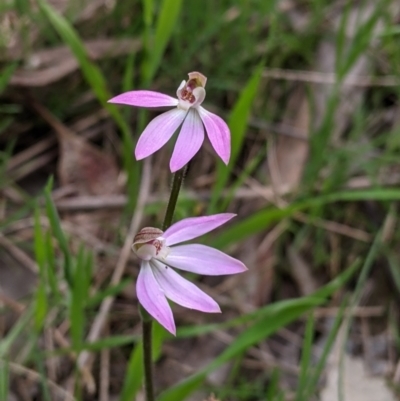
(41, 306)
(55, 224)
(4, 379)
(51, 269)
(258, 331)
(254, 334)
(133, 375)
(148, 12)
(315, 375)
(80, 293)
(237, 125)
(262, 219)
(6, 75)
(362, 40)
(165, 25)
(110, 291)
(266, 311)
(19, 327)
(98, 83)
(248, 170)
(39, 243)
(306, 354)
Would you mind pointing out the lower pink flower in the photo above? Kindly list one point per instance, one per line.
(157, 281)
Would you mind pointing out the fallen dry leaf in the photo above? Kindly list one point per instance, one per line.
(84, 166)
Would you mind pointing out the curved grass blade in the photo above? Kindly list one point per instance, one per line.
(257, 332)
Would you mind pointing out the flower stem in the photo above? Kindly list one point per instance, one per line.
(147, 353)
(146, 318)
(173, 197)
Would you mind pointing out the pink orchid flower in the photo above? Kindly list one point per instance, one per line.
(188, 110)
(157, 281)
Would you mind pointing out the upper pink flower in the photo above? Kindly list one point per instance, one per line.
(157, 281)
(190, 96)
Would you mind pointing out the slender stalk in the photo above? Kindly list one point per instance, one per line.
(146, 318)
(147, 354)
(173, 197)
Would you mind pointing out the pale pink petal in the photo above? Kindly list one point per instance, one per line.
(189, 141)
(158, 132)
(153, 299)
(218, 133)
(144, 99)
(193, 227)
(182, 291)
(202, 259)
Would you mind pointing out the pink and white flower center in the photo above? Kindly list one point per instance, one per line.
(192, 93)
(155, 248)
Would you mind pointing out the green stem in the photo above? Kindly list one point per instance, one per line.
(147, 354)
(173, 197)
(146, 318)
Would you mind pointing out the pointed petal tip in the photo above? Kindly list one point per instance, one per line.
(244, 268)
(217, 310)
(174, 168)
(226, 159)
(139, 156)
(171, 330)
(232, 215)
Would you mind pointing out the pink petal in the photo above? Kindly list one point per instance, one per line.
(218, 133)
(204, 260)
(158, 132)
(193, 227)
(144, 99)
(182, 291)
(189, 141)
(153, 299)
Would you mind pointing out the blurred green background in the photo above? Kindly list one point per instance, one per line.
(310, 91)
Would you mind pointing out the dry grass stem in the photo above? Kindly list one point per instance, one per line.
(326, 78)
(36, 377)
(19, 254)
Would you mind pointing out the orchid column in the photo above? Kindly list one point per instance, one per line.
(157, 249)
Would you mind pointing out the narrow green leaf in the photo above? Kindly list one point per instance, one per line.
(98, 83)
(41, 306)
(361, 41)
(256, 332)
(238, 126)
(133, 375)
(39, 243)
(110, 291)
(306, 354)
(315, 375)
(80, 293)
(52, 269)
(165, 25)
(248, 170)
(55, 224)
(148, 11)
(103, 343)
(262, 219)
(6, 75)
(4, 379)
(17, 329)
